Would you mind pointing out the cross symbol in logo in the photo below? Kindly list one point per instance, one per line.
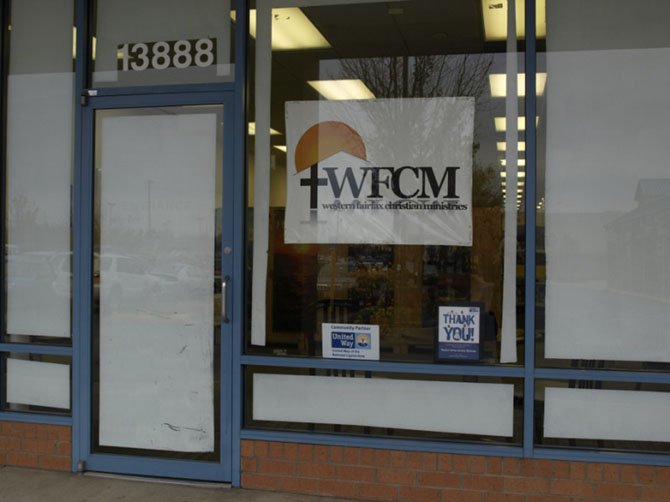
(313, 182)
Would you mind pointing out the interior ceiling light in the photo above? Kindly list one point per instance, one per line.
(252, 130)
(501, 123)
(502, 146)
(519, 162)
(291, 30)
(498, 83)
(494, 13)
(520, 174)
(94, 45)
(342, 89)
(281, 147)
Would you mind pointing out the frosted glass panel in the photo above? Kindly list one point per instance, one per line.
(606, 414)
(608, 180)
(39, 165)
(38, 384)
(466, 408)
(156, 198)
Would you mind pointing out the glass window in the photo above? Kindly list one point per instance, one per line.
(39, 159)
(35, 383)
(604, 185)
(369, 403)
(156, 324)
(385, 182)
(153, 42)
(606, 415)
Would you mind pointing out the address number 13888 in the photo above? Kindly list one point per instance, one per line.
(171, 54)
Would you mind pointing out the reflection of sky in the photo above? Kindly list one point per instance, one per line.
(167, 161)
(40, 138)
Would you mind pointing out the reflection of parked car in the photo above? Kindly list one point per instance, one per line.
(454, 281)
(25, 269)
(62, 267)
(178, 281)
(336, 277)
(58, 263)
(29, 280)
(119, 277)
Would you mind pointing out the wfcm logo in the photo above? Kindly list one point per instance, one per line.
(325, 139)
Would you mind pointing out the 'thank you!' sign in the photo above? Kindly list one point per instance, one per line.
(459, 328)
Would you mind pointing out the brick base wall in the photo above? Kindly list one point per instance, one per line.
(369, 474)
(35, 445)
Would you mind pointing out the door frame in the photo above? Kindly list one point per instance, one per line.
(226, 469)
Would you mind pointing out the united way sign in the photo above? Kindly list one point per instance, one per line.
(381, 171)
(350, 341)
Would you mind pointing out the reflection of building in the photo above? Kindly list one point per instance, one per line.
(639, 243)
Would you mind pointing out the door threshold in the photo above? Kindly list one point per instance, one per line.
(163, 481)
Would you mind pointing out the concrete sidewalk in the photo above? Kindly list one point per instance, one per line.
(27, 485)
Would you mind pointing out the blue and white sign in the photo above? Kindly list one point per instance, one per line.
(350, 341)
(458, 335)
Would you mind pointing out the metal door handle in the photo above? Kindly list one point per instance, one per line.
(224, 300)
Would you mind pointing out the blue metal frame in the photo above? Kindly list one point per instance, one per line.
(214, 471)
(384, 443)
(4, 60)
(165, 89)
(602, 375)
(34, 418)
(239, 183)
(610, 457)
(385, 367)
(528, 372)
(529, 270)
(81, 230)
(23, 348)
(234, 97)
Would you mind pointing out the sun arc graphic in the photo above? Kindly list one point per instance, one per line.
(325, 139)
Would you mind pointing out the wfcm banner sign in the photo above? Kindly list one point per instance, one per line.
(386, 171)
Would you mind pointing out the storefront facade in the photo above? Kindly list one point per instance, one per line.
(370, 249)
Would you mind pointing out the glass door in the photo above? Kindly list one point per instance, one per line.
(159, 338)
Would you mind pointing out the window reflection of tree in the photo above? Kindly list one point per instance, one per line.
(422, 76)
